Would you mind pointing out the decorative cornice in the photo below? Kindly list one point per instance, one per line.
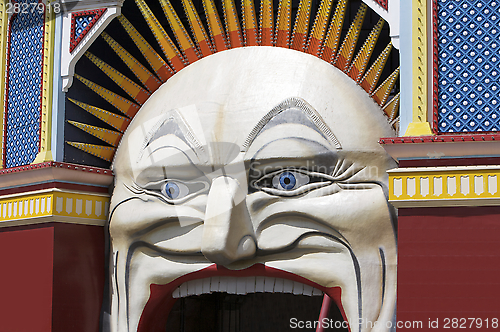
(54, 171)
(442, 146)
(53, 205)
(444, 186)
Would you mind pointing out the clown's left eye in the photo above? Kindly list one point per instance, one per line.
(174, 189)
(289, 180)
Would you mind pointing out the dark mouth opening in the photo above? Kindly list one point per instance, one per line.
(263, 312)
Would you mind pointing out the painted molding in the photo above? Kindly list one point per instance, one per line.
(69, 59)
(420, 125)
(54, 205)
(45, 153)
(54, 171)
(444, 186)
(4, 23)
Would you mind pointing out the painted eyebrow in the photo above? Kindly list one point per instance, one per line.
(292, 103)
(189, 136)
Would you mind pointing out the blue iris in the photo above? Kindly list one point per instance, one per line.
(287, 180)
(172, 190)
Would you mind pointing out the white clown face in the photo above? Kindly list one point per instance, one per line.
(254, 162)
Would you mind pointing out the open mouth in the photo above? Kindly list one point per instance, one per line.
(259, 298)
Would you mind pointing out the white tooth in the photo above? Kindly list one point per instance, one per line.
(259, 284)
(269, 284)
(240, 286)
(199, 287)
(278, 285)
(223, 284)
(298, 288)
(176, 293)
(308, 290)
(250, 284)
(206, 286)
(191, 287)
(183, 289)
(287, 286)
(317, 292)
(214, 284)
(231, 285)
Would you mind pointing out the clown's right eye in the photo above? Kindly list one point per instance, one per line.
(174, 190)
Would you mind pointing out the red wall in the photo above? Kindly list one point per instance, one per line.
(51, 278)
(449, 266)
(26, 279)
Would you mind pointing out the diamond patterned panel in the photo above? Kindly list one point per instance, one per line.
(81, 23)
(468, 65)
(24, 86)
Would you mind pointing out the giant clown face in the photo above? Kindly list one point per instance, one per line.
(254, 162)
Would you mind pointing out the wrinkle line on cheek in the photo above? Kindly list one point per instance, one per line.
(358, 282)
(262, 252)
(384, 273)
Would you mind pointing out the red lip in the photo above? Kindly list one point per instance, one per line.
(155, 314)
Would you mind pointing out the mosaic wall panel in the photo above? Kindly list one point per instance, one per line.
(468, 65)
(22, 138)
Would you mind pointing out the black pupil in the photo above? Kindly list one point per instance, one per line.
(171, 190)
(287, 180)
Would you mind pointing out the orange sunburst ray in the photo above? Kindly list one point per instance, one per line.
(249, 23)
(382, 93)
(370, 80)
(232, 22)
(301, 27)
(161, 68)
(360, 63)
(215, 26)
(392, 108)
(109, 136)
(167, 46)
(123, 105)
(346, 51)
(137, 93)
(329, 48)
(266, 22)
(103, 152)
(145, 76)
(197, 28)
(319, 27)
(116, 121)
(283, 23)
(181, 36)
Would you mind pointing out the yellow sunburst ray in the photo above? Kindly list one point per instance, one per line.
(183, 40)
(197, 28)
(232, 23)
(134, 90)
(214, 26)
(346, 51)
(123, 105)
(167, 46)
(161, 68)
(329, 48)
(283, 24)
(145, 76)
(116, 121)
(108, 136)
(249, 23)
(266, 22)
(319, 28)
(301, 26)
(392, 108)
(360, 62)
(370, 80)
(103, 152)
(382, 93)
